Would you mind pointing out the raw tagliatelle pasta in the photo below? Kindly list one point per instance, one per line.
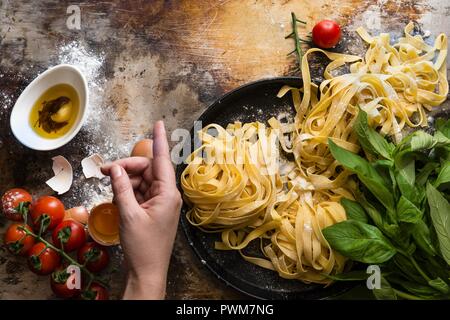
(240, 183)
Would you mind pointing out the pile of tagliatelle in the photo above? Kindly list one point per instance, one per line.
(238, 182)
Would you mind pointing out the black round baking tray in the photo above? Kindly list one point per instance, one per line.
(256, 101)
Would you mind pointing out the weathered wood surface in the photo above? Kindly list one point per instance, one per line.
(154, 60)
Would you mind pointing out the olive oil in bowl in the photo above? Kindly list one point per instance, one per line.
(55, 112)
(51, 110)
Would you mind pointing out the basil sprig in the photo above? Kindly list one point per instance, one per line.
(401, 219)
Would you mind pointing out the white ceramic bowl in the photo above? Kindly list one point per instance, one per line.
(19, 121)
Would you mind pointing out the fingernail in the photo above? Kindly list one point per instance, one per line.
(116, 171)
(106, 165)
(162, 126)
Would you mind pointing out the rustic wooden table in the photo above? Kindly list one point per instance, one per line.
(149, 60)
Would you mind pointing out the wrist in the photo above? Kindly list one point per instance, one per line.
(141, 286)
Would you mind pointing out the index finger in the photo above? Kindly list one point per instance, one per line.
(132, 165)
(162, 165)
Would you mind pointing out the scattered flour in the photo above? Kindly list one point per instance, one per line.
(100, 137)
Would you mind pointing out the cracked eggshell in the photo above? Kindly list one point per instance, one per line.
(62, 181)
(91, 166)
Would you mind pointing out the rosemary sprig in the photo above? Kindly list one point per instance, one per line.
(298, 41)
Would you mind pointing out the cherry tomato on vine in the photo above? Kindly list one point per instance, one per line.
(49, 209)
(16, 240)
(69, 235)
(15, 204)
(43, 260)
(63, 284)
(95, 292)
(326, 34)
(94, 256)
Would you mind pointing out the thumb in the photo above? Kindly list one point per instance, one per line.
(123, 190)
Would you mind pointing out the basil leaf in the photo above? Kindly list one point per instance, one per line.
(391, 229)
(422, 237)
(356, 275)
(384, 168)
(407, 268)
(440, 285)
(394, 231)
(421, 140)
(369, 139)
(407, 211)
(443, 126)
(359, 242)
(385, 292)
(415, 288)
(444, 175)
(441, 141)
(354, 210)
(405, 174)
(373, 213)
(435, 266)
(365, 172)
(428, 168)
(440, 215)
(400, 236)
(394, 182)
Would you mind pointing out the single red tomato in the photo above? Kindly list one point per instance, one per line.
(95, 292)
(63, 284)
(93, 256)
(16, 240)
(15, 204)
(69, 235)
(43, 260)
(48, 208)
(326, 34)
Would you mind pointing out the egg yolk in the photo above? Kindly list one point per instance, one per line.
(106, 222)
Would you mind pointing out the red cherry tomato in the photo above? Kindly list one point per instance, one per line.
(326, 34)
(62, 284)
(15, 204)
(50, 207)
(42, 260)
(95, 292)
(96, 255)
(16, 239)
(69, 235)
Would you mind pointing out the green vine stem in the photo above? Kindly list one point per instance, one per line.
(63, 254)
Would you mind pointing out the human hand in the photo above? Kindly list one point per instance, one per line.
(146, 194)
